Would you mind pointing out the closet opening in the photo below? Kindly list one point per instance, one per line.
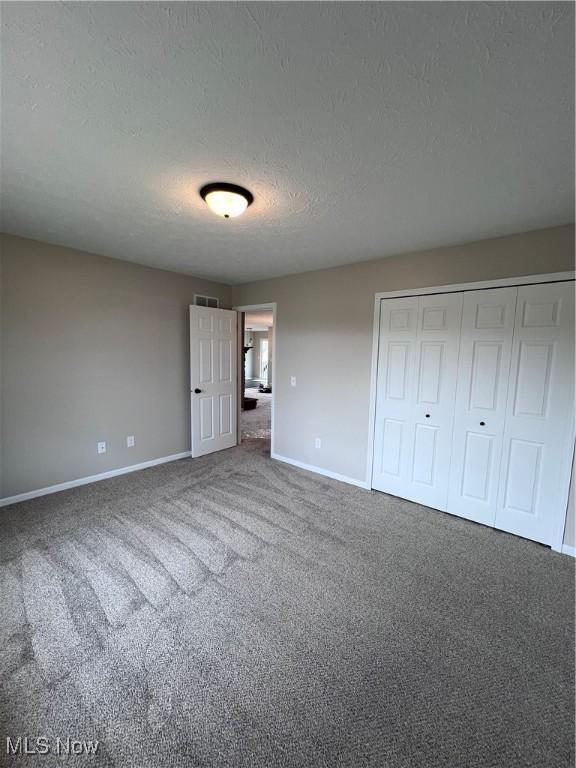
(472, 401)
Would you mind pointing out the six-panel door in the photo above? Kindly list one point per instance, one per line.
(418, 357)
(540, 413)
(480, 408)
(213, 391)
(395, 395)
(503, 460)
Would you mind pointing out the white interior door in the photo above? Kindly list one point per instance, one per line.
(418, 360)
(540, 414)
(213, 390)
(480, 409)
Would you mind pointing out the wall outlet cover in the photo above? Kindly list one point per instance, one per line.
(130, 441)
(292, 381)
(102, 447)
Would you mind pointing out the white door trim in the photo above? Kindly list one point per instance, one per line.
(552, 277)
(253, 308)
(566, 475)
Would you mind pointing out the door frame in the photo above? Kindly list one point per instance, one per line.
(506, 282)
(254, 308)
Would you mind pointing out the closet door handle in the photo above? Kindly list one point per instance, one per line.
(197, 391)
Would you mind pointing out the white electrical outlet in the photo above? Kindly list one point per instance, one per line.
(318, 443)
(102, 447)
(130, 441)
(292, 381)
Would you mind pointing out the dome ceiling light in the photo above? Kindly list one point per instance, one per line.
(226, 200)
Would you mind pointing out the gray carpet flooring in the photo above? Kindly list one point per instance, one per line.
(232, 611)
(256, 423)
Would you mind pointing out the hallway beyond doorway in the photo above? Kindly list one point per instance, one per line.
(256, 374)
(257, 422)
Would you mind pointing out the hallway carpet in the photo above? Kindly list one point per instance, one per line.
(235, 612)
(257, 423)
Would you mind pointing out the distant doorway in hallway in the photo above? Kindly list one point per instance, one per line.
(257, 366)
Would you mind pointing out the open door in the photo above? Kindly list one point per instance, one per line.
(213, 379)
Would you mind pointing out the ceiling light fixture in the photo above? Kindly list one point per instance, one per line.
(226, 200)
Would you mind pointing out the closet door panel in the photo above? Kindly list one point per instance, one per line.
(539, 422)
(435, 371)
(417, 362)
(394, 394)
(480, 406)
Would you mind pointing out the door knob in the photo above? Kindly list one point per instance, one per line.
(197, 391)
(482, 423)
(427, 415)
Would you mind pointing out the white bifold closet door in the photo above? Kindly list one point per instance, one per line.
(481, 398)
(539, 425)
(417, 367)
(475, 405)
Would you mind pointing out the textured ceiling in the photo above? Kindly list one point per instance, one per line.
(363, 129)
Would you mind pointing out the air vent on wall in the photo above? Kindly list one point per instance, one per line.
(206, 301)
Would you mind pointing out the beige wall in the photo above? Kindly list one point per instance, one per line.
(92, 349)
(324, 334)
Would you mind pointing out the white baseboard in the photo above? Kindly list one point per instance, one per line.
(320, 471)
(567, 550)
(91, 479)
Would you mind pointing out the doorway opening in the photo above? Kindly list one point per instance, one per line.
(256, 363)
